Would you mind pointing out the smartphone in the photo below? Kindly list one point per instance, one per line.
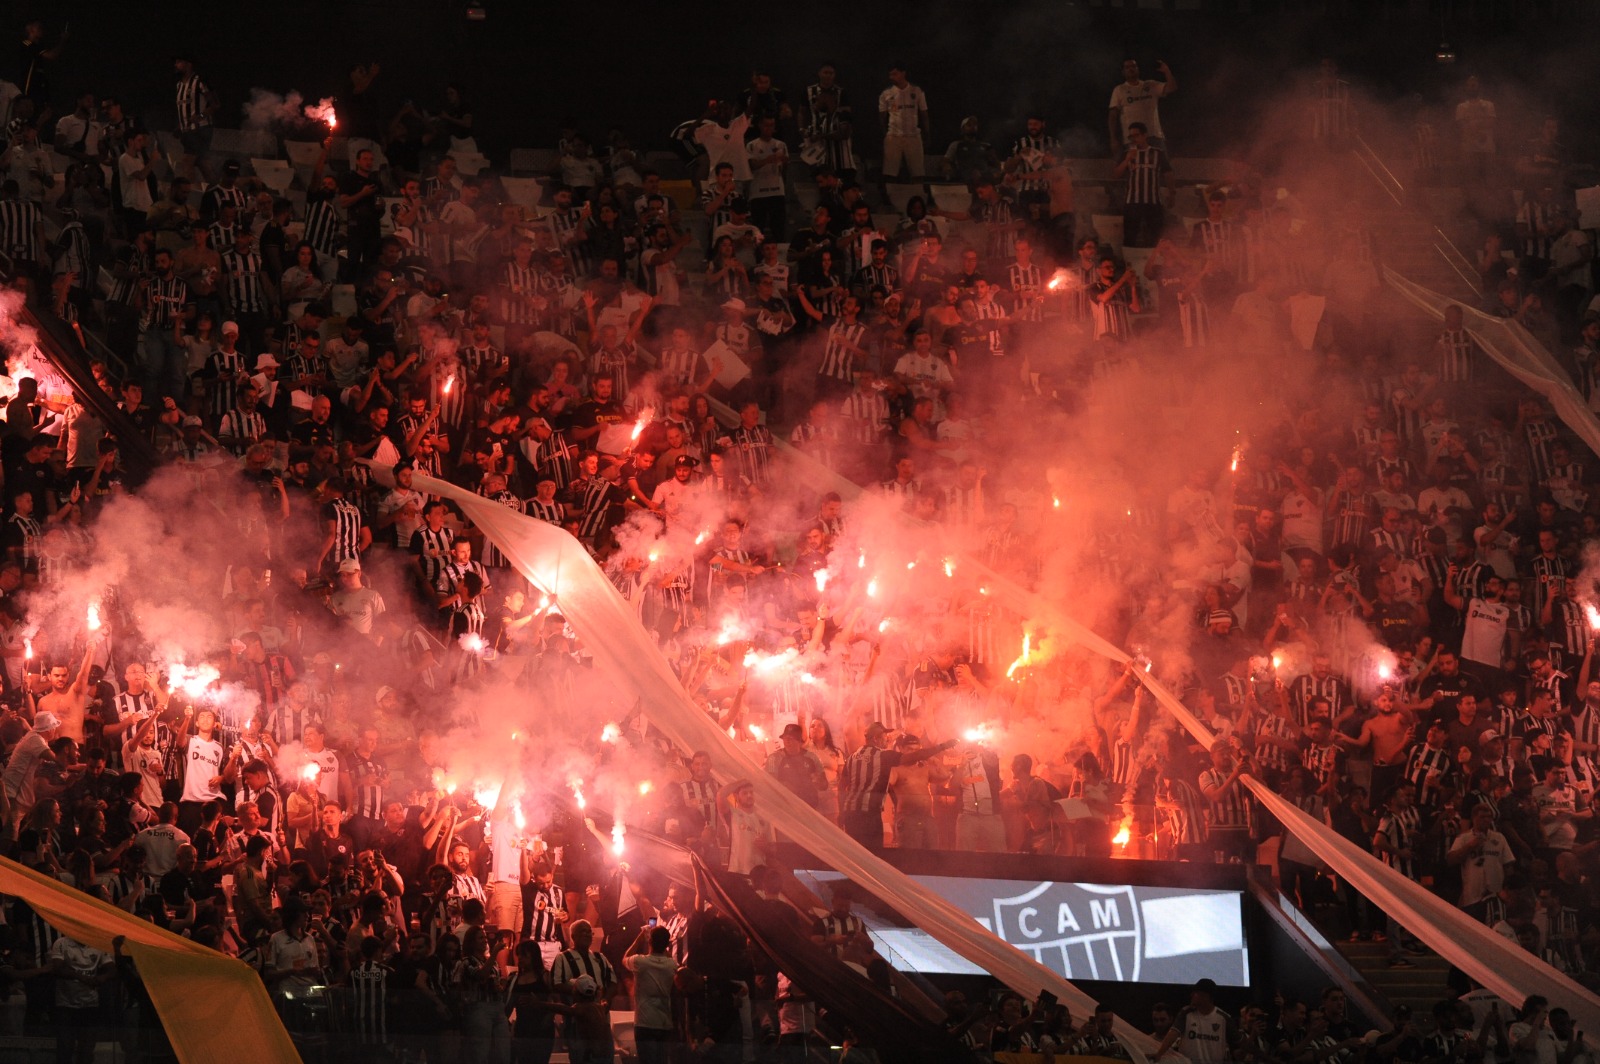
(1047, 1000)
(653, 921)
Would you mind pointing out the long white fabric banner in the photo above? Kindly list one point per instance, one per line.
(611, 633)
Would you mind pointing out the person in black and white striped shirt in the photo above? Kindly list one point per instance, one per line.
(845, 342)
(244, 291)
(1034, 152)
(1454, 348)
(865, 779)
(1148, 173)
(196, 106)
(345, 535)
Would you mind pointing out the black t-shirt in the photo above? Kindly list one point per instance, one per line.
(310, 434)
(323, 849)
(591, 413)
(365, 212)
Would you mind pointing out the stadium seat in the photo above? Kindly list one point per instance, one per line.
(274, 173)
(900, 194)
(682, 193)
(470, 163)
(303, 152)
(525, 192)
(342, 300)
(533, 160)
(247, 143)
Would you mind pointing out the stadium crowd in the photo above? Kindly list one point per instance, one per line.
(1385, 602)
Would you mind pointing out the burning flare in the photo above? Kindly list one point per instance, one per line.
(323, 112)
(1593, 616)
(94, 616)
(617, 833)
(610, 734)
(1022, 659)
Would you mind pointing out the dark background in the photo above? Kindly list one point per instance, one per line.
(647, 66)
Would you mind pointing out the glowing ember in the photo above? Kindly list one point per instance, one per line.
(757, 732)
(473, 643)
(1233, 466)
(821, 577)
(1385, 671)
(861, 560)
(655, 556)
(323, 112)
(645, 787)
(701, 538)
(577, 792)
(911, 565)
(617, 833)
(1277, 662)
(449, 382)
(1055, 501)
(94, 616)
(949, 568)
(883, 626)
(487, 796)
(450, 788)
(610, 734)
(311, 771)
(983, 591)
(1123, 836)
(638, 426)
(872, 589)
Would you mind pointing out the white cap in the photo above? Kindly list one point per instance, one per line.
(231, 327)
(46, 721)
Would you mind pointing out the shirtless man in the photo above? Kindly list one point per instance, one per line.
(67, 698)
(1388, 734)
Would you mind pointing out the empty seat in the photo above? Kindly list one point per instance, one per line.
(274, 173)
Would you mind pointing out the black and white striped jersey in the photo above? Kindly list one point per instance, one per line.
(192, 98)
(244, 288)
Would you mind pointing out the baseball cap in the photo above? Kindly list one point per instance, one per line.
(1490, 736)
(686, 461)
(46, 721)
(266, 362)
(877, 728)
(734, 304)
(384, 692)
(794, 730)
(231, 327)
(350, 565)
(584, 986)
(192, 422)
(231, 166)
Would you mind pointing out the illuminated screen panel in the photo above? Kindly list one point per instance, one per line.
(1121, 934)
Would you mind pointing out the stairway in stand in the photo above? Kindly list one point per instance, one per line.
(1418, 986)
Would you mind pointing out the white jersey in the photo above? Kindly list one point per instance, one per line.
(1205, 1035)
(1485, 637)
(202, 763)
(1139, 102)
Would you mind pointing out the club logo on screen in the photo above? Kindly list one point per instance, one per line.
(1082, 930)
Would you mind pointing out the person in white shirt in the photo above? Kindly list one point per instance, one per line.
(134, 168)
(1482, 854)
(904, 108)
(768, 157)
(1138, 100)
(1484, 638)
(160, 842)
(750, 833)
